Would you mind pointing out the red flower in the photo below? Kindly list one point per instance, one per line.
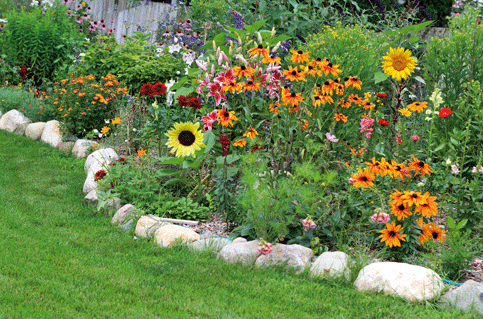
(225, 144)
(146, 89)
(381, 95)
(158, 89)
(182, 101)
(383, 122)
(195, 103)
(415, 138)
(23, 71)
(100, 175)
(445, 112)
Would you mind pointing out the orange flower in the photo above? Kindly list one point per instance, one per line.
(353, 81)
(340, 117)
(391, 235)
(304, 124)
(81, 94)
(274, 109)
(355, 99)
(226, 118)
(240, 143)
(251, 133)
(117, 120)
(293, 75)
(363, 179)
(251, 86)
(418, 106)
(243, 71)
(293, 98)
(330, 68)
(232, 87)
(299, 56)
(141, 152)
(258, 51)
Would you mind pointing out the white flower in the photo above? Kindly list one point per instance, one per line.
(106, 121)
(169, 98)
(448, 162)
(100, 135)
(175, 48)
(188, 58)
(95, 131)
(82, 54)
(3, 20)
(436, 98)
(420, 184)
(428, 119)
(454, 169)
(134, 130)
(428, 112)
(169, 84)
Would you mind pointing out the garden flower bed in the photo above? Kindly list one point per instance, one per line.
(338, 138)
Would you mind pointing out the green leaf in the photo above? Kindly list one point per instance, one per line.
(380, 77)
(439, 148)
(167, 172)
(209, 141)
(413, 39)
(170, 160)
(420, 79)
(451, 223)
(219, 39)
(461, 224)
(229, 159)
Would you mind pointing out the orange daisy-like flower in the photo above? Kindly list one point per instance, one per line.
(398, 170)
(251, 133)
(317, 100)
(303, 124)
(414, 198)
(245, 71)
(437, 233)
(401, 211)
(418, 106)
(274, 109)
(240, 143)
(319, 62)
(391, 235)
(340, 117)
(251, 86)
(293, 75)
(354, 98)
(378, 167)
(141, 152)
(258, 51)
(232, 87)
(226, 118)
(310, 70)
(363, 179)
(430, 208)
(353, 81)
(419, 166)
(345, 104)
(299, 56)
(273, 59)
(368, 105)
(293, 98)
(425, 231)
(339, 88)
(397, 197)
(328, 87)
(330, 68)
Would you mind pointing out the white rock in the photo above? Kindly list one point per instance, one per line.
(411, 282)
(169, 234)
(331, 264)
(81, 147)
(210, 244)
(14, 122)
(90, 183)
(239, 240)
(51, 133)
(295, 256)
(99, 159)
(122, 214)
(146, 226)
(34, 130)
(91, 198)
(243, 253)
(113, 203)
(466, 297)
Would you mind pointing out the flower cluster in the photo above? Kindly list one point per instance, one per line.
(193, 102)
(151, 90)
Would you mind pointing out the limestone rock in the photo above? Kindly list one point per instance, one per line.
(90, 184)
(411, 282)
(113, 203)
(168, 234)
(331, 264)
(466, 297)
(239, 240)
(146, 226)
(14, 122)
(51, 134)
(243, 253)
(99, 160)
(211, 244)
(34, 130)
(295, 256)
(122, 214)
(65, 146)
(91, 198)
(81, 147)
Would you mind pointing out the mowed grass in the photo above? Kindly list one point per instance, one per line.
(60, 259)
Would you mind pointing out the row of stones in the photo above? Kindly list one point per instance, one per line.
(407, 281)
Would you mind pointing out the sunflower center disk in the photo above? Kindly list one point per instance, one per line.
(399, 64)
(186, 138)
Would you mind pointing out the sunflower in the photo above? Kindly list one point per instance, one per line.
(226, 118)
(299, 56)
(401, 211)
(251, 133)
(419, 166)
(437, 233)
(185, 139)
(418, 106)
(391, 235)
(258, 51)
(398, 63)
(363, 179)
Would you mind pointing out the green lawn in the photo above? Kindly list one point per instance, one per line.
(60, 259)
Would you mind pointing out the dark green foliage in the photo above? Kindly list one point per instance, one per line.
(41, 41)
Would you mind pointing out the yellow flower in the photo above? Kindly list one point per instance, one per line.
(185, 139)
(398, 63)
(240, 142)
(117, 120)
(104, 130)
(251, 133)
(405, 112)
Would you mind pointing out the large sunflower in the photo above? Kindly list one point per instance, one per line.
(185, 139)
(398, 63)
(391, 235)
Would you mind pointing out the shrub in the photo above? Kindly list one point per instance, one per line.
(24, 101)
(84, 104)
(41, 40)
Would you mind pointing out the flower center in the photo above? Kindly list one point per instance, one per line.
(186, 138)
(421, 164)
(435, 235)
(392, 233)
(364, 179)
(399, 64)
(401, 207)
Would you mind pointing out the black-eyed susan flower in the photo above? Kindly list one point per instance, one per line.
(240, 143)
(299, 56)
(330, 68)
(251, 86)
(328, 87)
(398, 63)
(293, 99)
(292, 74)
(273, 109)
(437, 233)
(420, 166)
(425, 231)
(258, 51)
(363, 179)
(391, 235)
(344, 103)
(185, 139)
(401, 211)
(414, 198)
(353, 81)
(417, 106)
(243, 71)
(272, 59)
(340, 117)
(405, 112)
(366, 105)
(354, 98)
(232, 87)
(430, 208)
(226, 118)
(303, 124)
(251, 133)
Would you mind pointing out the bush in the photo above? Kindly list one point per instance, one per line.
(84, 104)
(41, 40)
(24, 101)
(134, 62)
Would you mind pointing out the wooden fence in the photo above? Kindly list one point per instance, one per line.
(128, 16)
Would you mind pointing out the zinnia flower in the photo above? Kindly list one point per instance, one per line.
(100, 175)
(195, 103)
(445, 112)
(383, 122)
(415, 138)
(185, 139)
(182, 101)
(146, 89)
(398, 63)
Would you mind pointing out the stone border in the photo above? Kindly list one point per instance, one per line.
(413, 283)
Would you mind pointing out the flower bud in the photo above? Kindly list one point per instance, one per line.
(214, 45)
(260, 40)
(272, 34)
(277, 46)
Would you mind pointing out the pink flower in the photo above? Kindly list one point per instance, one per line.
(415, 138)
(308, 223)
(209, 119)
(399, 140)
(217, 92)
(366, 124)
(474, 169)
(265, 249)
(331, 137)
(478, 262)
(380, 218)
(352, 180)
(454, 169)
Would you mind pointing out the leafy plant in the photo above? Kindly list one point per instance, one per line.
(185, 208)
